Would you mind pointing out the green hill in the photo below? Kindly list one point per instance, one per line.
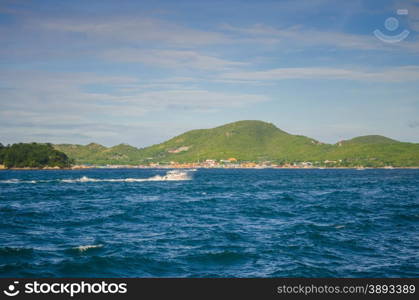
(32, 155)
(371, 139)
(98, 154)
(253, 141)
(243, 140)
(81, 154)
(376, 151)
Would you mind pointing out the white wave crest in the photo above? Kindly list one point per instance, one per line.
(87, 247)
(10, 181)
(82, 179)
(17, 181)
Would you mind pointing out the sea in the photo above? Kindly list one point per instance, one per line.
(209, 223)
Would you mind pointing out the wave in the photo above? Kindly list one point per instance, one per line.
(10, 181)
(87, 247)
(175, 175)
(17, 181)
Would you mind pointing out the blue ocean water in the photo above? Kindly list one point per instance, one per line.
(214, 223)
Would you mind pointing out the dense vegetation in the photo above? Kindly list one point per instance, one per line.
(100, 155)
(253, 141)
(32, 155)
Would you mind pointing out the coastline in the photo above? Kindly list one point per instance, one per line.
(199, 167)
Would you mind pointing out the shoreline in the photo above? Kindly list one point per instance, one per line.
(110, 167)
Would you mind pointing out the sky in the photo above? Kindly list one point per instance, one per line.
(140, 72)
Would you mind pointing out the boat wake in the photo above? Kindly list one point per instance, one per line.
(175, 175)
(17, 181)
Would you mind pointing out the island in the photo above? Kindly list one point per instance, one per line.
(242, 144)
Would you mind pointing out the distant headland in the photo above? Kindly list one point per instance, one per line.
(247, 144)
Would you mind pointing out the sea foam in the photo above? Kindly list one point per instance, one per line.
(87, 247)
(17, 181)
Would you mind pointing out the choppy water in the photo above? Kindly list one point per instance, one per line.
(215, 223)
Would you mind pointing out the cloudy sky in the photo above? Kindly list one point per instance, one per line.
(139, 72)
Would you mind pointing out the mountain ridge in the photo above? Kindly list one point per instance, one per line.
(251, 140)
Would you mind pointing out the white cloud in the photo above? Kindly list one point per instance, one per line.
(136, 30)
(194, 99)
(304, 36)
(299, 36)
(396, 74)
(171, 59)
(57, 106)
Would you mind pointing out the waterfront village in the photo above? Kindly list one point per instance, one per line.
(230, 163)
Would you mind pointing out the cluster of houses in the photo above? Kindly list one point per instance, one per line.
(230, 163)
(225, 163)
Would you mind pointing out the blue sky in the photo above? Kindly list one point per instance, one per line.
(139, 72)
